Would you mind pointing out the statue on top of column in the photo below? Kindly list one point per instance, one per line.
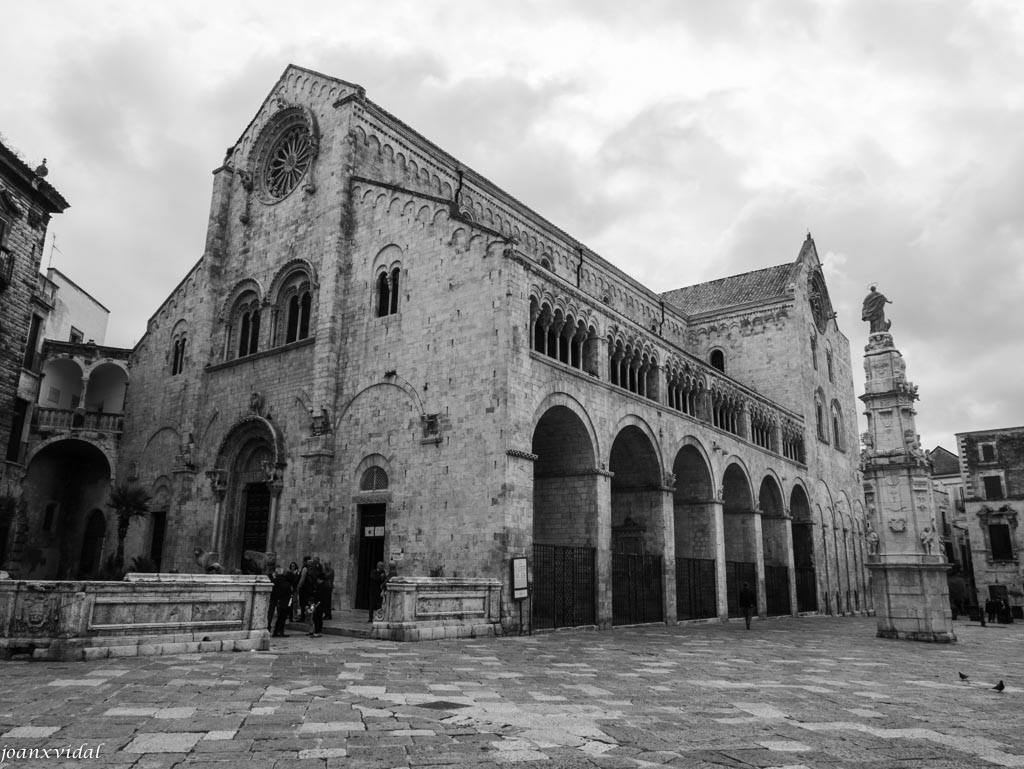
(874, 311)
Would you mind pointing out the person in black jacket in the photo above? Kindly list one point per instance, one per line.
(378, 578)
(280, 601)
(747, 602)
(320, 598)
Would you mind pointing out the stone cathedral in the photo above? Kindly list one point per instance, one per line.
(381, 355)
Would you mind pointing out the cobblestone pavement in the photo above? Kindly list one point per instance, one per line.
(809, 692)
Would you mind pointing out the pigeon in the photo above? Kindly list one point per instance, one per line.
(962, 676)
(999, 686)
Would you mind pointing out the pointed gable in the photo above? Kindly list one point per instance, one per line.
(944, 462)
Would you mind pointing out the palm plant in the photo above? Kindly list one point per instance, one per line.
(127, 502)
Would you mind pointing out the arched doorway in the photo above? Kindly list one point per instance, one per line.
(803, 551)
(90, 562)
(693, 506)
(775, 546)
(740, 542)
(564, 522)
(252, 457)
(372, 514)
(65, 482)
(636, 522)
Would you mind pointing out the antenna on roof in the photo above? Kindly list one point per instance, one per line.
(53, 247)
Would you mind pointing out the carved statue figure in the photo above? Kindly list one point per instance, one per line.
(256, 403)
(872, 538)
(928, 539)
(874, 311)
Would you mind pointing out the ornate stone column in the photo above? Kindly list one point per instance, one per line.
(908, 569)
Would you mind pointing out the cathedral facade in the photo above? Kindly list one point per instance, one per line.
(382, 356)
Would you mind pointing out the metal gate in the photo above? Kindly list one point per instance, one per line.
(736, 573)
(636, 589)
(696, 588)
(806, 589)
(776, 590)
(564, 586)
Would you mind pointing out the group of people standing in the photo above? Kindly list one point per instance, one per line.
(301, 594)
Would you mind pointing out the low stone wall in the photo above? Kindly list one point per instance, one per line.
(145, 614)
(424, 608)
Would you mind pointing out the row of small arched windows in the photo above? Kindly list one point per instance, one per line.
(832, 418)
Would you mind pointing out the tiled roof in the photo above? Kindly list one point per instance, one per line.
(758, 285)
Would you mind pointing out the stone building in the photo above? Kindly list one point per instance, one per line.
(992, 470)
(27, 201)
(382, 356)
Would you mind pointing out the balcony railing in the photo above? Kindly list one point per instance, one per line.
(54, 420)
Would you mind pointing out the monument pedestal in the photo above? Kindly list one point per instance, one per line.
(911, 599)
(908, 569)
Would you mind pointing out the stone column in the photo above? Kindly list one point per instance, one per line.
(787, 533)
(762, 598)
(665, 534)
(721, 583)
(908, 570)
(604, 548)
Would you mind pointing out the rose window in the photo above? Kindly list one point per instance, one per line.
(285, 152)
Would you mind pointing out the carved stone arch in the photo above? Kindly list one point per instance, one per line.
(161, 492)
(565, 400)
(412, 168)
(475, 241)
(254, 425)
(634, 420)
(388, 152)
(495, 248)
(374, 459)
(387, 258)
(771, 474)
(237, 291)
(286, 272)
(446, 190)
(380, 201)
(100, 447)
(373, 143)
(459, 239)
(423, 214)
(435, 182)
(400, 161)
(396, 205)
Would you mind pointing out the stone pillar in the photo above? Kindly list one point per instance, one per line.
(665, 542)
(604, 548)
(721, 583)
(787, 533)
(908, 569)
(762, 598)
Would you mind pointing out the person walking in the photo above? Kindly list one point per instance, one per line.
(378, 579)
(280, 601)
(747, 602)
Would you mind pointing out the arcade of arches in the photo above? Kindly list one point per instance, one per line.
(635, 543)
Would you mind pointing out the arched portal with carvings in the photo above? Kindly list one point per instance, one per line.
(248, 484)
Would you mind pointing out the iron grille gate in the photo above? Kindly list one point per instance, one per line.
(564, 586)
(806, 589)
(736, 573)
(776, 590)
(696, 588)
(636, 589)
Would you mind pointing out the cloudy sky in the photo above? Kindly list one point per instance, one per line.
(682, 141)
